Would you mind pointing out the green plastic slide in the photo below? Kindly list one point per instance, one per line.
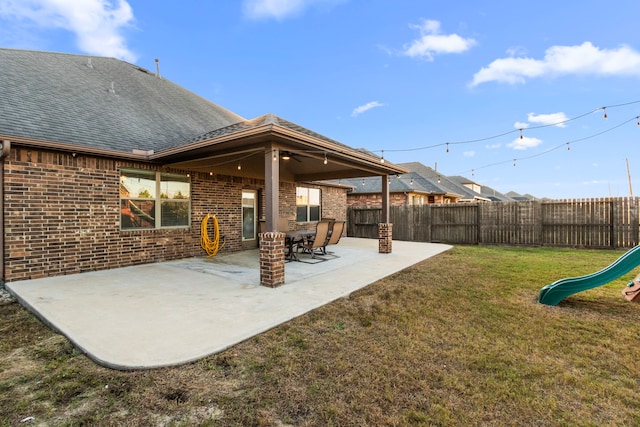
(557, 291)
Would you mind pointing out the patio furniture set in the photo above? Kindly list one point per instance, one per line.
(314, 242)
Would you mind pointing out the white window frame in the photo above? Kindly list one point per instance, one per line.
(308, 203)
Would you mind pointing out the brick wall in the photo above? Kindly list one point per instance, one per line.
(62, 215)
(375, 200)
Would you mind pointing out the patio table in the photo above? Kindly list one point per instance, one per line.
(293, 237)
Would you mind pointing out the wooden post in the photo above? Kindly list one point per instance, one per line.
(272, 187)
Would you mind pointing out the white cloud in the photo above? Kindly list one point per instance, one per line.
(366, 107)
(97, 24)
(554, 119)
(562, 60)
(281, 9)
(524, 142)
(431, 42)
(469, 153)
(493, 146)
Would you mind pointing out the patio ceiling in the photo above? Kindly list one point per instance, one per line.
(241, 151)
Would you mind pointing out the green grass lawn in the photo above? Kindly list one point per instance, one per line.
(458, 339)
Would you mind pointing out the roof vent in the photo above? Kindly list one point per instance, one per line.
(112, 88)
(158, 68)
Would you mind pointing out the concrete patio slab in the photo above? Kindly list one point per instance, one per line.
(175, 312)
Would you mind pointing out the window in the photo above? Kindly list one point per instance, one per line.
(307, 204)
(154, 200)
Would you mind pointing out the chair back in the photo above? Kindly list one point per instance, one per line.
(322, 234)
(336, 233)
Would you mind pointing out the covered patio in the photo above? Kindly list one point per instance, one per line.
(275, 150)
(175, 312)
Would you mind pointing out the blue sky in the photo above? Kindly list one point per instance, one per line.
(452, 84)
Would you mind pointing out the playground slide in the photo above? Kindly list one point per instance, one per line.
(557, 291)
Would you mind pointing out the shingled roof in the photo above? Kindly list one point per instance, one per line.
(445, 182)
(408, 182)
(99, 103)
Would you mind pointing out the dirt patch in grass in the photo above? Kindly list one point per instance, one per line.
(456, 340)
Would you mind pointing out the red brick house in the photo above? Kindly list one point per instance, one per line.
(105, 164)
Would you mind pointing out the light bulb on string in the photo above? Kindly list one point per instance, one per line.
(473, 172)
(568, 146)
(514, 162)
(447, 147)
(521, 137)
(382, 158)
(239, 166)
(325, 161)
(605, 112)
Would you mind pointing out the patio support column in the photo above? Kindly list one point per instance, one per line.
(385, 198)
(272, 242)
(385, 227)
(272, 187)
(272, 259)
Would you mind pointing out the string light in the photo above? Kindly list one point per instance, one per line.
(382, 158)
(605, 112)
(550, 149)
(239, 166)
(521, 137)
(568, 146)
(325, 161)
(519, 129)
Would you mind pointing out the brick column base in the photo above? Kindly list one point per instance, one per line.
(272, 259)
(384, 238)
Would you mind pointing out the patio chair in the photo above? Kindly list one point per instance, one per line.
(315, 244)
(335, 235)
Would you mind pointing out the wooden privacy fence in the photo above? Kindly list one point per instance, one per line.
(587, 223)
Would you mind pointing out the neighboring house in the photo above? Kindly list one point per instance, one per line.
(106, 164)
(487, 193)
(465, 194)
(521, 197)
(406, 189)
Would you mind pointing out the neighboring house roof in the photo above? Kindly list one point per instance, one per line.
(445, 182)
(100, 103)
(411, 182)
(486, 192)
(495, 195)
(520, 197)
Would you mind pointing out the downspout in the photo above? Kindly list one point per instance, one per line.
(5, 147)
